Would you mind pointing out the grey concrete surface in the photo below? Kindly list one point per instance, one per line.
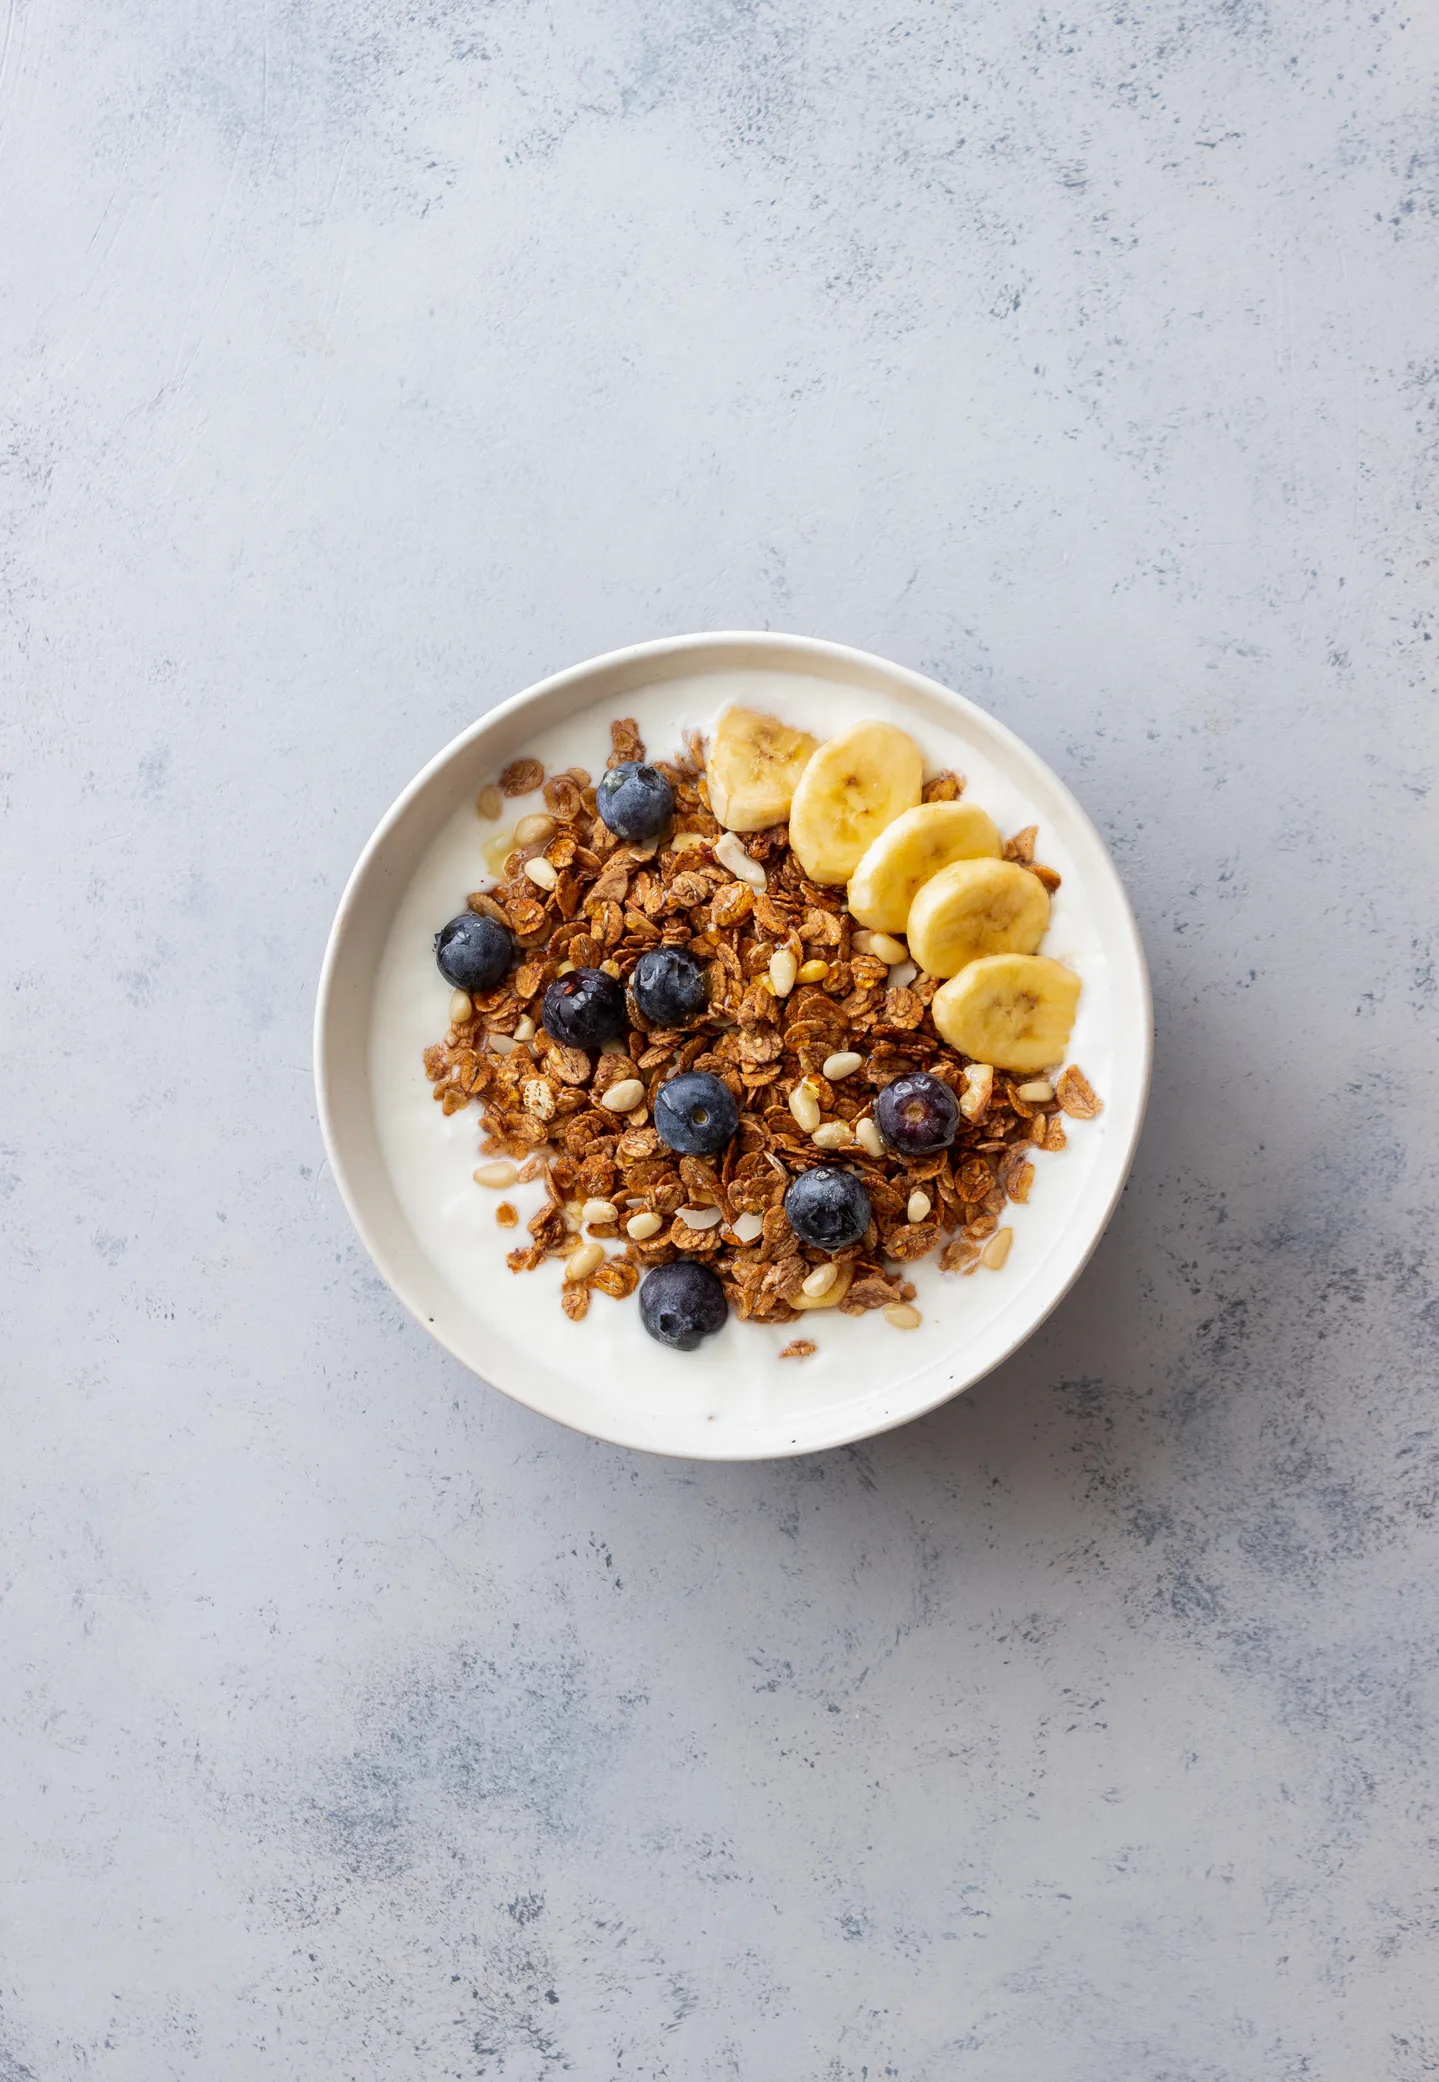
(365, 361)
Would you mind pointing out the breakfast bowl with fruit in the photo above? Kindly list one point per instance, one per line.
(733, 1046)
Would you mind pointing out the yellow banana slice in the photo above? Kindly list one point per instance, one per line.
(1013, 1010)
(852, 788)
(907, 852)
(976, 907)
(751, 768)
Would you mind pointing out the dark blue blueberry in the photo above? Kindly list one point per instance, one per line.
(682, 1303)
(635, 801)
(584, 1009)
(917, 1114)
(695, 1114)
(828, 1208)
(473, 953)
(669, 986)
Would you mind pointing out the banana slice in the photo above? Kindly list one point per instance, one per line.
(976, 907)
(752, 766)
(907, 852)
(852, 788)
(1012, 1010)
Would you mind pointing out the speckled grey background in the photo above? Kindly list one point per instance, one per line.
(366, 360)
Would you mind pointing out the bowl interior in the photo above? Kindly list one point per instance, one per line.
(406, 1171)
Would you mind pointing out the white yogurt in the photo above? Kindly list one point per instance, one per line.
(738, 1374)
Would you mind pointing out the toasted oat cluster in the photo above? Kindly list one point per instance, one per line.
(802, 1025)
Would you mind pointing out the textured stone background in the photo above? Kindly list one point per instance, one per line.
(366, 360)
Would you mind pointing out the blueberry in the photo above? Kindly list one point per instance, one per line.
(917, 1114)
(473, 953)
(828, 1208)
(682, 1303)
(695, 1114)
(635, 801)
(669, 986)
(584, 1009)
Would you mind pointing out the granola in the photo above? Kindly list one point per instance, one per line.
(805, 1024)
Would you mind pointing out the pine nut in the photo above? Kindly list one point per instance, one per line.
(867, 1135)
(535, 829)
(805, 1107)
(1038, 1092)
(783, 969)
(883, 946)
(621, 1097)
(525, 1028)
(997, 1249)
(919, 1206)
(571, 1213)
(730, 853)
(700, 1217)
(490, 802)
(833, 1135)
(582, 1262)
(566, 968)
(599, 1211)
(842, 1065)
(903, 1315)
(611, 968)
(643, 1225)
(688, 841)
(500, 1174)
(814, 972)
(501, 1044)
(541, 873)
(820, 1281)
(748, 1227)
(460, 1007)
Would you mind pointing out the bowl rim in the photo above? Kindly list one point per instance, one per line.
(799, 648)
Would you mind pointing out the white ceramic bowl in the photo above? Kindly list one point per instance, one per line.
(405, 1171)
